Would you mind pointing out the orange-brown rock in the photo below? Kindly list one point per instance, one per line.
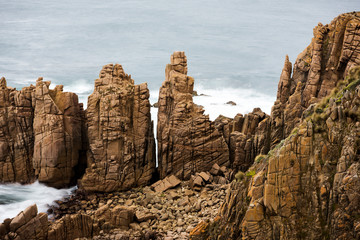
(120, 133)
(28, 224)
(333, 50)
(308, 186)
(73, 227)
(119, 216)
(57, 131)
(188, 141)
(247, 137)
(16, 134)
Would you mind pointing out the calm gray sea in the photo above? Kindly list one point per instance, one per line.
(229, 44)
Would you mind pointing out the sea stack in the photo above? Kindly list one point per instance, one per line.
(120, 133)
(188, 141)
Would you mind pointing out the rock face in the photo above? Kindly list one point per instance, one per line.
(307, 187)
(28, 224)
(333, 50)
(57, 131)
(73, 227)
(247, 137)
(120, 133)
(40, 134)
(187, 141)
(16, 134)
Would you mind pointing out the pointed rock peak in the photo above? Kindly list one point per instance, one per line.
(59, 88)
(3, 82)
(287, 63)
(112, 74)
(111, 70)
(179, 62)
(287, 59)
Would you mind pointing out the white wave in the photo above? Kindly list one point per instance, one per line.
(15, 197)
(214, 101)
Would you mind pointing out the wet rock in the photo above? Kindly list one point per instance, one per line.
(231, 103)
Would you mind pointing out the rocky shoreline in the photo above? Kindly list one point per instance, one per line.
(293, 174)
(167, 209)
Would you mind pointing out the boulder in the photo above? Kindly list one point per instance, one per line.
(165, 184)
(23, 217)
(205, 176)
(73, 227)
(196, 183)
(215, 170)
(28, 224)
(118, 216)
(143, 216)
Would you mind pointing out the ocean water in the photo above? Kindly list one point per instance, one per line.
(235, 51)
(15, 197)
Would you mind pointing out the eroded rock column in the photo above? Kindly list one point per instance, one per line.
(188, 141)
(120, 133)
(16, 134)
(57, 131)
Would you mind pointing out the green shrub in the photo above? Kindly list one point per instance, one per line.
(250, 173)
(240, 176)
(259, 158)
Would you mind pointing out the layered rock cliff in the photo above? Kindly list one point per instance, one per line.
(40, 134)
(307, 186)
(120, 133)
(57, 132)
(188, 141)
(16, 134)
(333, 50)
(247, 137)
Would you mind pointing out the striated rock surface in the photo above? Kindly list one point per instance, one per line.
(57, 131)
(16, 134)
(307, 187)
(28, 224)
(188, 141)
(40, 134)
(333, 50)
(73, 227)
(120, 133)
(247, 137)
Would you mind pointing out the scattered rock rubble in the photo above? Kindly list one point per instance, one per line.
(168, 209)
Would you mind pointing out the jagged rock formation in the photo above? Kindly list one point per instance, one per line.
(120, 133)
(307, 187)
(57, 131)
(187, 141)
(40, 134)
(28, 224)
(247, 137)
(16, 134)
(326, 61)
(73, 227)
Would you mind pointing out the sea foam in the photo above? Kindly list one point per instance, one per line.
(15, 197)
